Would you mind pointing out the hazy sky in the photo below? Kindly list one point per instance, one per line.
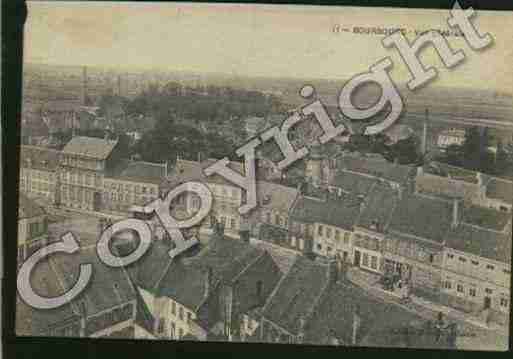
(285, 41)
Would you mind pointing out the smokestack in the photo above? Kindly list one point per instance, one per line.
(84, 85)
(424, 134)
(455, 212)
(356, 323)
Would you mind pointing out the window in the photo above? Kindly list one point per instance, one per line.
(189, 317)
(504, 302)
(301, 244)
(472, 292)
(319, 246)
(431, 258)
(328, 232)
(447, 284)
(328, 249)
(180, 333)
(506, 271)
(374, 262)
(488, 291)
(173, 308)
(337, 234)
(365, 260)
(475, 263)
(462, 259)
(180, 313)
(320, 230)
(459, 288)
(450, 256)
(346, 238)
(490, 267)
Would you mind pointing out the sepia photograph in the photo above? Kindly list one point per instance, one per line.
(250, 173)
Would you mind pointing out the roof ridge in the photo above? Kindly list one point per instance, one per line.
(248, 265)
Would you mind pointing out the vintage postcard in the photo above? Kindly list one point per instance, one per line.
(334, 176)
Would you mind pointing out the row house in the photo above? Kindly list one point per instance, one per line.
(83, 163)
(323, 225)
(32, 227)
(477, 266)
(39, 172)
(414, 241)
(132, 183)
(228, 197)
(448, 181)
(369, 230)
(108, 308)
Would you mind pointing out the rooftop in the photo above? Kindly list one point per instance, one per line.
(376, 167)
(422, 216)
(379, 207)
(139, 171)
(275, 196)
(89, 146)
(296, 294)
(353, 182)
(480, 242)
(341, 213)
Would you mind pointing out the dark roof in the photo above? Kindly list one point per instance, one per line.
(139, 171)
(28, 208)
(147, 271)
(107, 288)
(480, 242)
(341, 213)
(379, 207)
(353, 182)
(39, 158)
(89, 146)
(425, 217)
(500, 189)
(227, 257)
(185, 284)
(296, 294)
(486, 217)
(376, 167)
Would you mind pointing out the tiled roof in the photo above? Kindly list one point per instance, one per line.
(341, 213)
(28, 208)
(139, 171)
(296, 294)
(353, 182)
(39, 157)
(379, 207)
(480, 242)
(376, 167)
(500, 189)
(89, 146)
(425, 217)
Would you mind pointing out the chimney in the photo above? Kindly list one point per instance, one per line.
(301, 329)
(208, 282)
(333, 271)
(356, 323)
(455, 213)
